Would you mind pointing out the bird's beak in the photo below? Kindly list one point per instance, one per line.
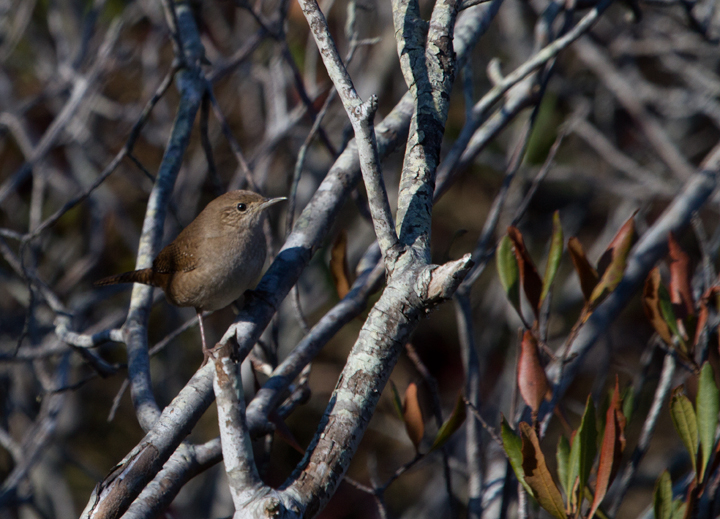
(270, 201)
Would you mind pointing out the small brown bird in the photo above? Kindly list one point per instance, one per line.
(214, 260)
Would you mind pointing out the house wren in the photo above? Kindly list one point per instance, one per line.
(213, 260)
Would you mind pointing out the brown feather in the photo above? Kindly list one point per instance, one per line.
(176, 257)
(144, 276)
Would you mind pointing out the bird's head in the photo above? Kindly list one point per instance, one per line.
(241, 208)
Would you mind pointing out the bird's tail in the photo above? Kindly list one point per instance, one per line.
(144, 276)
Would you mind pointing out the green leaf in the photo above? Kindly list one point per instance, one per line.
(668, 314)
(513, 449)
(397, 403)
(563, 456)
(662, 497)
(628, 397)
(537, 474)
(451, 425)
(679, 509)
(683, 417)
(553, 261)
(508, 271)
(582, 453)
(707, 407)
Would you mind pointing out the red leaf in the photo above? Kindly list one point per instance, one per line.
(532, 380)
(529, 277)
(613, 445)
(680, 291)
(587, 274)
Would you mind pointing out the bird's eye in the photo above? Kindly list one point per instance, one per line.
(241, 207)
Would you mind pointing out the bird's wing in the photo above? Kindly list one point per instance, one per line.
(176, 257)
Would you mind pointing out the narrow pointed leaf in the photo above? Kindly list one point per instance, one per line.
(628, 399)
(553, 261)
(532, 381)
(651, 304)
(679, 509)
(513, 449)
(707, 407)
(338, 265)
(668, 314)
(583, 451)
(562, 455)
(451, 425)
(613, 445)
(586, 272)
(627, 230)
(691, 500)
(601, 415)
(537, 474)
(616, 258)
(284, 432)
(397, 403)
(529, 277)
(412, 416)
(680, 290)
(704, 313)
(685, 421)
(662, 497)
(507, 268)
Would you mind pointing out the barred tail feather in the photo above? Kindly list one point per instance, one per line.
(144, 276)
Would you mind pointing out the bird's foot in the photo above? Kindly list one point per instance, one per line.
(210, 352)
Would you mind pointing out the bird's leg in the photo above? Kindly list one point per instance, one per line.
(206, 352)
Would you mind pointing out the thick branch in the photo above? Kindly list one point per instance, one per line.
(412, 291)
(234, 434)
(429, 71)
(361, 116)
(191, 87)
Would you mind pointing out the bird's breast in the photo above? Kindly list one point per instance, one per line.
(223, 274)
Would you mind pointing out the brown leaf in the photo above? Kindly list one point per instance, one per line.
(613, 445)
(587, 274)
(626, 231)
(691, 500)
(651, 304)
(529, 277)
(284, 433)
(704, 311)
(537, 475)
(338, 265)
(611, 266)
(412, 416)
(532, 381)
(680, 291)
